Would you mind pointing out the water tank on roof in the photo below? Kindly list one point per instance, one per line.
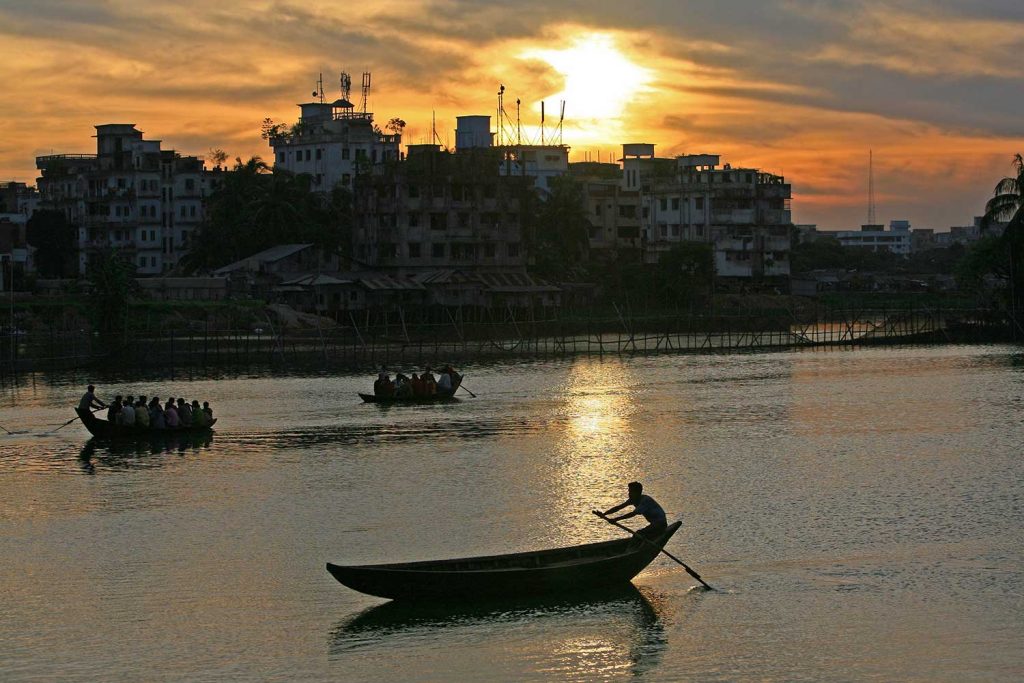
(473, 131)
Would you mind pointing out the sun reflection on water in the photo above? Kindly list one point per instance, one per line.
(596, 448)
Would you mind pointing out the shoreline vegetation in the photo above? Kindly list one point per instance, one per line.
(55, 336)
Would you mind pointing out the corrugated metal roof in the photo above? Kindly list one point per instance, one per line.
(266, 256)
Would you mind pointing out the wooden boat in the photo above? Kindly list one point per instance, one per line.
(436, 398)
(557, 571)
(103, 429)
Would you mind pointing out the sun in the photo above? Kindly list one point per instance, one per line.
(600, 81)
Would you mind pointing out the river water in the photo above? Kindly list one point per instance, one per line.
(861, 514)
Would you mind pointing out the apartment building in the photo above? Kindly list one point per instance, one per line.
(439, 209)
(743, 212)
(130, 196)
(332, 142)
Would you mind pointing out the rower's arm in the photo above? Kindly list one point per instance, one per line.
(634, 513)
(616, 508)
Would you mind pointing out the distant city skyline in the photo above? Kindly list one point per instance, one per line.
(798, 87)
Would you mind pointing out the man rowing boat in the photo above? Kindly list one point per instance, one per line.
(642, 505)
(89, 400)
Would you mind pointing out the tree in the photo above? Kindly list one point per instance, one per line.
(257, 207)
(218, 157)
(684, 274)
(54, 239)
(1005, 254)
(1008, 199)
(112, 283)
(561, 231)
(395, 125)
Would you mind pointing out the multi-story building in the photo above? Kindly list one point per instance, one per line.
(438, 209)
(541, 163)
(877, 238)
(612, 210)
(131, 196)
(332, 142)
(743, 213)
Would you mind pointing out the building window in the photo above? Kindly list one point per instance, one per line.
(345, 154)
(319, 153)
(192, 211)
(309, 155)
(190, 184)
(280, 157)
(663, 204)
(414, 249)
(437, 250)
(414, 220)
(675, 203)
(489, 250)
(346, 179)
(414, 191)
(513, 249)
(698, 203)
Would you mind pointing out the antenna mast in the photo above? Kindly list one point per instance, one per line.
(366, 92)
(319, 92)
(519, 125)
(501, 109)
(561, 118)
(871, 187)
(542, 122)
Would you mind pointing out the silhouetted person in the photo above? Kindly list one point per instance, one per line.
(642, 505)
(89, 400)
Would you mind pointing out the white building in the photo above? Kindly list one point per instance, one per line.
(331, 142)
(540, 162)
(132, 196)
(743, 212)
(877, 238)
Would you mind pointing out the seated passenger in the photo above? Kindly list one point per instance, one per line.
(113, 410)
(209, 412)
(199, 418)
(141, 413)
(126, 417)
(444, 383)
(171, 415)
(184, 413)
(156, 414)
(417, 385)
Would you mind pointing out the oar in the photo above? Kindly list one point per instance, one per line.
(76, 417)
(6, 430)
(463, 386)
(648, 541)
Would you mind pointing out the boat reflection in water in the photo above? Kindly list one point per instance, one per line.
(619, 630)
(131, 453)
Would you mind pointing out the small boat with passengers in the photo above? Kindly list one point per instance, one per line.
(439, 397)
(104, 429)
(559, 570)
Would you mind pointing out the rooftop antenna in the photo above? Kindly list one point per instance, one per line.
(871, 187)
(542, 122)
(519, 124)
(319, 92)
(501, 108)
(346, 86)
(561, 118)
(365, 92)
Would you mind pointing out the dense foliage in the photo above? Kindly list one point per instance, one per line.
(255, 208)
(55, 242)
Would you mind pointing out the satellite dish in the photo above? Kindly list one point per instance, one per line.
(314, 93)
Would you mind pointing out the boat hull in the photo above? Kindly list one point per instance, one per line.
(407, 400)
(103, 429)
(563, 570)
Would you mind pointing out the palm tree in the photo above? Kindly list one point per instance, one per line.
(1007, 206)
(1008, 201)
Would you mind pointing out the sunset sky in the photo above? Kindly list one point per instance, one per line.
(800, 87)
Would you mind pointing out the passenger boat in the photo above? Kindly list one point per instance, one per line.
(557, 571)
(105, 430)
(446, 397)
